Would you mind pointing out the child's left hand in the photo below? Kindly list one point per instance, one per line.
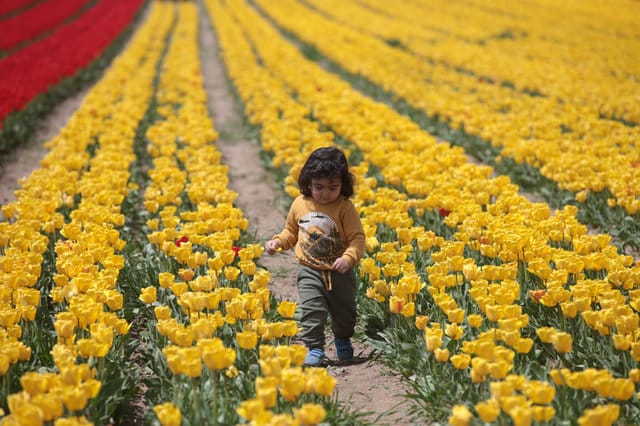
(340, 265)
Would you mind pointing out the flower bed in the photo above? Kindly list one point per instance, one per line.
(14, 6)
(34, 79)
(72, 205)
(527, 128)
(36, 21)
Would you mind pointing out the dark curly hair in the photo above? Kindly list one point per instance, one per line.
(328, 162)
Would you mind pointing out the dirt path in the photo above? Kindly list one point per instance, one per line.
(369, 387)
(25, 158)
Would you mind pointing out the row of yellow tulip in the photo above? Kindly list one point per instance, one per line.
(597, 153)
(490, 216)
(85, 296)
(580, 61)
(209, 289)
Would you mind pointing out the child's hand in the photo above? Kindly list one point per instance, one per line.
(341, 265)
(272, 246)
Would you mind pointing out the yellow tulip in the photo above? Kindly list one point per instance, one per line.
(623, 389)
(442, 355)
(480, 366)
(50, 404)
(391, 270)
(460, 416)
(267, 395)
(25, 414)
(186, 274)
(471, 272)
(165, 279)
(621, 342)
(488, 411)
(290, 328)
(227, 256)
(543, 413)
(35, 383)
(218, 359)
(600, 416)
(454, 331)
(231, 371)
(396, 305)
(433, 342)
(562, 342)
(297, 353)
(91, 348)
(523, 345)
(521, 414)
(190, 364)
(247, 339)
(569, 309)
(287, 309)
(409, 309)
(634, 374)
(635, 351)
(74, 398)
(248, 267)
(499, 369)
(545, 334)
(251, 409)
(540, 392)
(460, 361)
(309, 414)
(162, 312)
(231, 273)
(421, 321)
(149, 294)
(292, 383)
(474, 320)
(215, 264)
(456, 315)
(371, 244)
(64, 328)
(168, 414)
(179, 288)
(320, 382)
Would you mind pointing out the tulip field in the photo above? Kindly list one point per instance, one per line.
(42, 60)
(495, 150)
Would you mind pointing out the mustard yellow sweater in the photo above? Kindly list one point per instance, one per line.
(322, 233)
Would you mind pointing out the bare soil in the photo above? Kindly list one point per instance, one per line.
(25, 158)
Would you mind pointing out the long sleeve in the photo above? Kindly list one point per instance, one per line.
(352, 228)
(289, 235)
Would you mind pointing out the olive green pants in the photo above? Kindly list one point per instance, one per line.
(316, 303)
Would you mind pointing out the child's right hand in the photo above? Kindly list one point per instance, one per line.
(272, 246)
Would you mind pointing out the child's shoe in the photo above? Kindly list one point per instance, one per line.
(344, 350)
(314, 357)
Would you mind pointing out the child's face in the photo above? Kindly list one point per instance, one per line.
(325, 190)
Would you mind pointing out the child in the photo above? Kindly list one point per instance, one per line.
(326, 231)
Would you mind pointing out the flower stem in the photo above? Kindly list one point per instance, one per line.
(196, 399)
(214, 406)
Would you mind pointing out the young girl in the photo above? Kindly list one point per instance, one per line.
(326, 231)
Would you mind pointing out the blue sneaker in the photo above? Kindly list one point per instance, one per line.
(314, 357)
(344, 350)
